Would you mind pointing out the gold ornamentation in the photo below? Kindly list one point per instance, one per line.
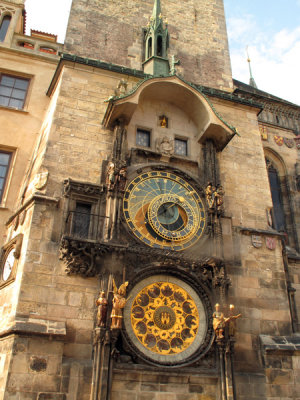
(164, 211)
(164, 318)
(220, 323)
(102, 309)
(119, 301)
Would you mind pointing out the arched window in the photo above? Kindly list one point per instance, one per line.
(277, 199)
(159, 48)
(149, 47)
(4, 27)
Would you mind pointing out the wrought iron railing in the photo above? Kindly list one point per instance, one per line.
(81, 225)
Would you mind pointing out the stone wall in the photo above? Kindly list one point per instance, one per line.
(135, 385)
(113, 32)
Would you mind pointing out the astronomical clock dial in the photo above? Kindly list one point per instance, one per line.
(8, 265)
(164, 211)
(165, 319)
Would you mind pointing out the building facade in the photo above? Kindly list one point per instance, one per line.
(150, 218)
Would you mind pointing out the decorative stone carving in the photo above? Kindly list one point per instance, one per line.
(174, 62)
(214, 198)
(78, 187)
(165, 146)
(121, 89)
(40, 180)
(110, 176)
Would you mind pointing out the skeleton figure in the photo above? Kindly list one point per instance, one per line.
(119, 301)
(110, 176)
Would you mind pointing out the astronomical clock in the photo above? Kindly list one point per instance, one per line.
(164, 211)
(166, 317)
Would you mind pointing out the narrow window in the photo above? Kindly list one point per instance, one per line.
(81, 220)
(181, 147)
(143, 138)
(4, 27)
(149, 47)
(5, 158)
(13, 91)
(159, 46)
(278, 211)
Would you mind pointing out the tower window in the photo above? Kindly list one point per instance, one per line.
(181, 147)
(143, 138)
(81, 220)
(278, 211)
(149, 47)
(4, 27)
(5, 158)
(13, 91)
(159, 51)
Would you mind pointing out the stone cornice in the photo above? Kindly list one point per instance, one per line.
(140, 74)
(35, 198)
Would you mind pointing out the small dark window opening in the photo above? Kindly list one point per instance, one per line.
(159, 46)
(277, 119)
(278, 211)
(143, 138)
(4, 27)
(82, 219)
(181, 147)
(149, 47)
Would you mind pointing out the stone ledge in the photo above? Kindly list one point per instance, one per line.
(36, 326)
(280, 343)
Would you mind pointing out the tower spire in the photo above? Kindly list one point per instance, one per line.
(156, 43)
(251, 81)
(156, 13)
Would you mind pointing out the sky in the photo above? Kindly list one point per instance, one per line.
(269, 28)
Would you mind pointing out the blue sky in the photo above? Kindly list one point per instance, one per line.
(270, 29)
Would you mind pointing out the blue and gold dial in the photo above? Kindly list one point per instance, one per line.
(164, 211)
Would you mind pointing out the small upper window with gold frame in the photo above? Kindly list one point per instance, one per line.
(163, 121)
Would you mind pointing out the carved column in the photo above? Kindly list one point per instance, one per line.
(210, 163)
(221, 352)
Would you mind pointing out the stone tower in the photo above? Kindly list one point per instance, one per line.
(114, 31)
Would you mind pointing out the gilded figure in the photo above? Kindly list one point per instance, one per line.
(101, 303)
(219, 322)
(118, 303)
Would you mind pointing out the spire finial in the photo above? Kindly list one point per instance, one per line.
(156, 13)
(251, 81)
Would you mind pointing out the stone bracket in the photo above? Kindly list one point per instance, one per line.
(36, 326)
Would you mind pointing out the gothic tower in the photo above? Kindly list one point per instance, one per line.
(115, 31)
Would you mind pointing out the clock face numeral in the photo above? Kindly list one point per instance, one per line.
(164, 209)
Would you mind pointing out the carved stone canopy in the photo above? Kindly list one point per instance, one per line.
(186, 97)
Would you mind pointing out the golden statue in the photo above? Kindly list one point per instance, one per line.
(219, 322)
(231, 322)
(118, 303)
(102, 309)
(163, 122)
